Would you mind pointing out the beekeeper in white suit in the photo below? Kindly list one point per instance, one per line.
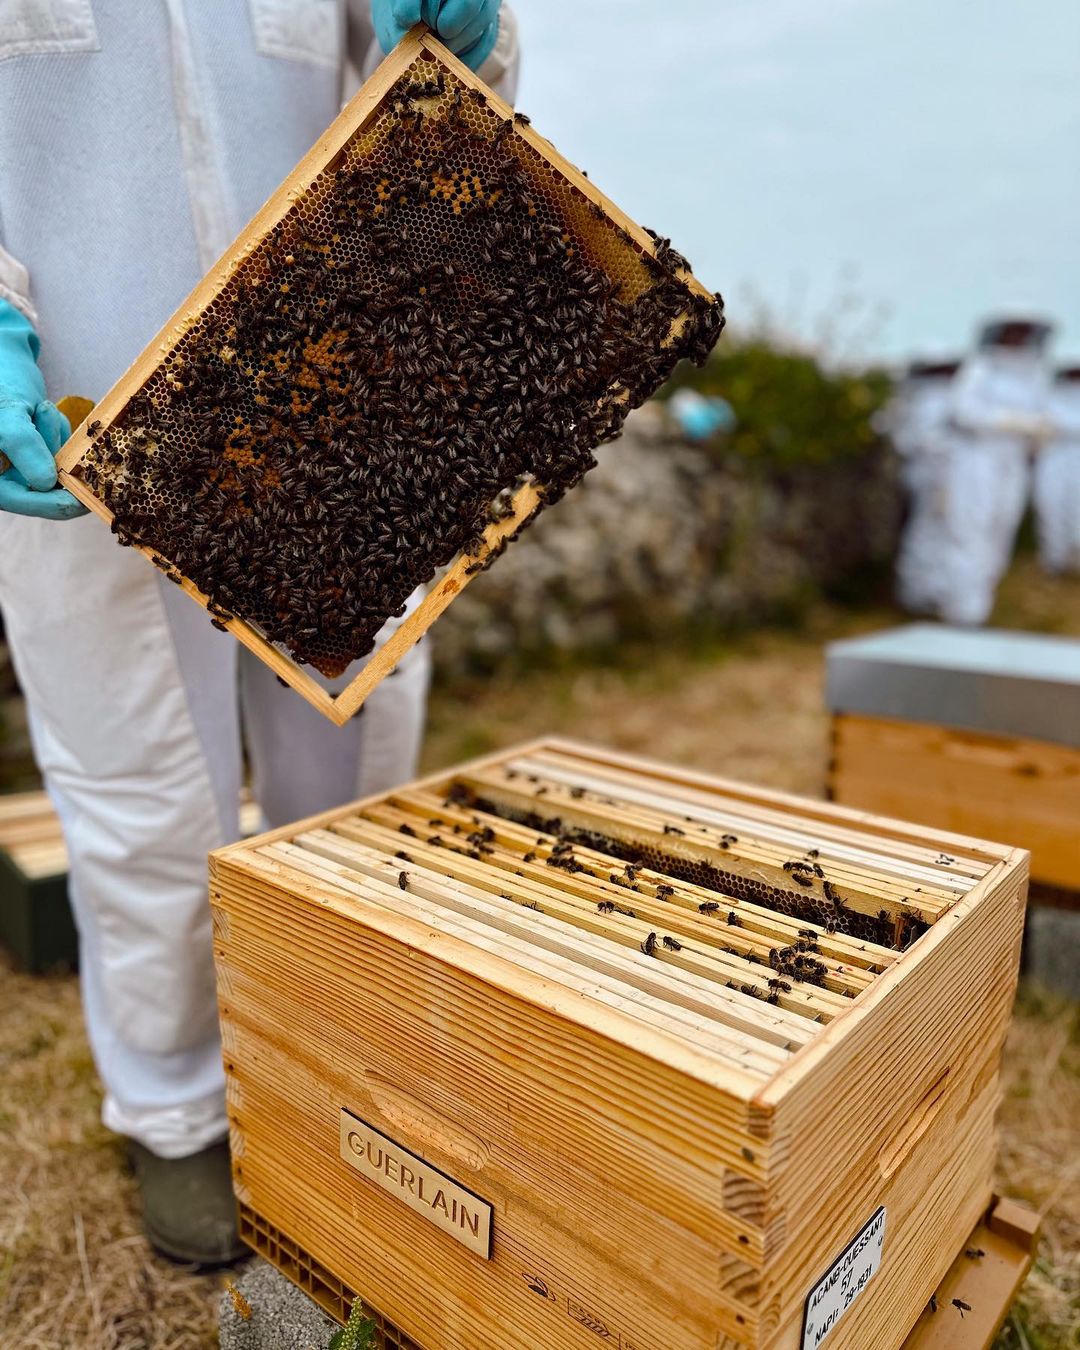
(137, 137)
(918, 425)
(1057, 478)
(998, 414)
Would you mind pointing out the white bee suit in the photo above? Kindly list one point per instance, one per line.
(997, 411)
(920, 433)
(1057, 481)
(137, 137)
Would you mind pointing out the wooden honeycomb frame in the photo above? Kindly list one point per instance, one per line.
(419, 44)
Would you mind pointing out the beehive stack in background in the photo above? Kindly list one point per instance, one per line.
(414, 346)
(972, 731)
(35, 920)
(559, 1045)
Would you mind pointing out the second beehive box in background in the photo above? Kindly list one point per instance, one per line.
(972, 731)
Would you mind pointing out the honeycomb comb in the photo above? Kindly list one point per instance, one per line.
(411, 349)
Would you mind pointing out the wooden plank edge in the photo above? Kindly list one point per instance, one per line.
(751, 849)
(902, 861)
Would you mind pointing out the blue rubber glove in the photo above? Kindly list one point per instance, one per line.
(700, 417)
(32, 429)
(468, 27)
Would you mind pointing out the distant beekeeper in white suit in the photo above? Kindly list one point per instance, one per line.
(1057, 478)
(137, 137)
(918, 424)
(998, 414)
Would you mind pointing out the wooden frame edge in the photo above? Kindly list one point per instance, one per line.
(321, 818)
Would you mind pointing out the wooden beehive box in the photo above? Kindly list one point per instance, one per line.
(971, 731)
(35, 919)
(561, 1047)
(411, 348)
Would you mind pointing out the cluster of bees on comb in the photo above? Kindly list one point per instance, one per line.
(439, 319)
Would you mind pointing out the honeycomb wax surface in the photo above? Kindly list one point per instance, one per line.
(439, 318)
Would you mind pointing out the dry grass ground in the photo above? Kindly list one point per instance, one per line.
(74, 1270)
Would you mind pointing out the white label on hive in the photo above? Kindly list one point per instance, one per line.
(419, 1185)
(844, 1281)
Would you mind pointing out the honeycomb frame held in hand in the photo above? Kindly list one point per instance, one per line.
(682, 317)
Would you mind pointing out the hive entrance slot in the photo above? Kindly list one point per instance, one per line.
(321, 1285)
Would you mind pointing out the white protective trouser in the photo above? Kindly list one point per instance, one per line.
(916, 421)
(986, 491)
(919, 563)
(136, 139)
(1057, 505)
(138, 712)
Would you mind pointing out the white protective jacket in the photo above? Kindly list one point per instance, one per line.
(137, 137)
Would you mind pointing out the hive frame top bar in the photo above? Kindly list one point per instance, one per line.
(994, 863)
(418, 43)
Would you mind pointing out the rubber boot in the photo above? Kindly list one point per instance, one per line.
(189, 1212)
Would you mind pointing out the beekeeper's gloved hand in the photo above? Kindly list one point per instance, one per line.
(31, 428)
(468, 27)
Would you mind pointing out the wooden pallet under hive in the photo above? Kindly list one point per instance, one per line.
(429, 326)
(562, 1046)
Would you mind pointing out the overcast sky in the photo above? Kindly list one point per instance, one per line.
(920, 155)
